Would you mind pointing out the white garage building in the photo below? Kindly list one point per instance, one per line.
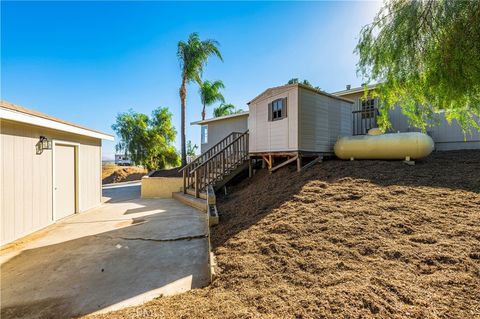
(50, 169)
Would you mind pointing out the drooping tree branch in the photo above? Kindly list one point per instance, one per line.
(425, 54)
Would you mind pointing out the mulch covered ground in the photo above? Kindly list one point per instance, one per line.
(344, 240)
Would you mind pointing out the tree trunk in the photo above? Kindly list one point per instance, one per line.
(183, 96)
(203, 112)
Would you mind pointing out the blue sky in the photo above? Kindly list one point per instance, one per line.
(87, 61)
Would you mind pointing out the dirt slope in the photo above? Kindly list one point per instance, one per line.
(363, 239)
(118, 174)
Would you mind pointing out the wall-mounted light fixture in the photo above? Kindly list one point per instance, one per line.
(43, 144)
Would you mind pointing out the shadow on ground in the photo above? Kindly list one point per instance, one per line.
(104, 259)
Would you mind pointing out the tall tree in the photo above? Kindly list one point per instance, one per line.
(148, 141)
(131, 128)
(210, 93)
(225, 109)
(162, 133)
(193, 56)
(425, 55)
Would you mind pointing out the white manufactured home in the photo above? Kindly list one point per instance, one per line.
(447, 136)
(50, 169)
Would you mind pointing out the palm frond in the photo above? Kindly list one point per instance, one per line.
(225, 109)
(210, 92)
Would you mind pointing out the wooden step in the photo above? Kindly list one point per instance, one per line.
(191, 191)
(231, 175)
(198, 203)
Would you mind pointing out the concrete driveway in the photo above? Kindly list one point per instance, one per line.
(123, 253)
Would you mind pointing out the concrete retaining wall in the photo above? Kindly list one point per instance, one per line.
(160, 187)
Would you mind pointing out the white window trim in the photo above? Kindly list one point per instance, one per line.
(283, 110)
(204, 133)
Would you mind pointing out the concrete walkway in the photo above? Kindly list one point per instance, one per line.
(123, 253)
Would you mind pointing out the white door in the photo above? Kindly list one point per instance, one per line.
(64, 186)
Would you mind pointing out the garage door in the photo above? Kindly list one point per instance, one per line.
(64, 187)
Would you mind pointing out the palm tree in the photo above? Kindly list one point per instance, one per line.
(193, 56)
(210, 93)
(225, 109)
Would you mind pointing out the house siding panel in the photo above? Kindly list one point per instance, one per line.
(322, 121)
(26, 178)
(272, 136)
(218, 130)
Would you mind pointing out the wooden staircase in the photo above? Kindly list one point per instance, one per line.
(216, 166)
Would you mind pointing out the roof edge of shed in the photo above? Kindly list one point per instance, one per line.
(303, 86)
(214, 119)
(17, 113)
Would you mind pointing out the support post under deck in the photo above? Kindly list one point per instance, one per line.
(250, 168)
(299, 162)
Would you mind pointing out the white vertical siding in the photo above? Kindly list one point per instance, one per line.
(323, 120)
(26, 183)
(90, 172)
(314, 133)
(346, 125)
(260, 137)
(274, 136)
(26, 178)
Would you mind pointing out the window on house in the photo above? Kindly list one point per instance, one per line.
(204, 134)
(368, 108)
(278, 109)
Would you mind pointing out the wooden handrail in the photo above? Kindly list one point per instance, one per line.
(217, 166)
(218, 153)
(207, 152)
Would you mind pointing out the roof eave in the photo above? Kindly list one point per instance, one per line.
(21, 117)
(355, 90)
(303, 86)
(214, 119)
(286, 86)
(324, 93)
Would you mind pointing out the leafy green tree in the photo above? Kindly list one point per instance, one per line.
(225, 109)
(426, 57)
(191, 149)
(162, 135)
(193, 56)
(131, 128)
(210, 93)
(148, 141)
